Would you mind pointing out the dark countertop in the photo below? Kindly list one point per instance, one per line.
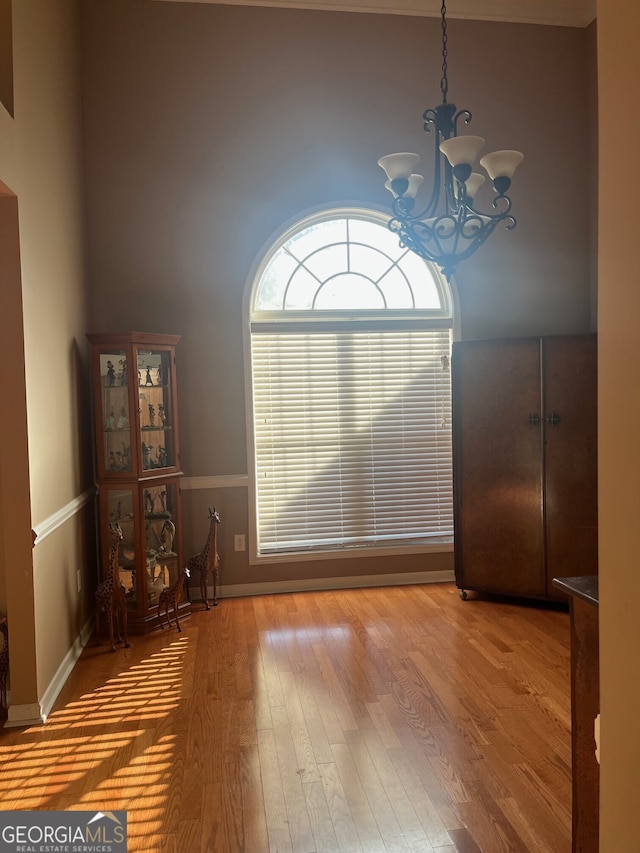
(585, 588)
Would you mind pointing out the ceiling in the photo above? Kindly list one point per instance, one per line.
(558, 13)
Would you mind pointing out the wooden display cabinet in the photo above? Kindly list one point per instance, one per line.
(138, 465)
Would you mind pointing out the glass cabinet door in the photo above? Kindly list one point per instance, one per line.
(160, 519)
(155, 405)
(120, 508)
(115, 426)
(147, 560)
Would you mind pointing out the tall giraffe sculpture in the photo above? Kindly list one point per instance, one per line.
(169, 597)
(208, 560)
(110, 594)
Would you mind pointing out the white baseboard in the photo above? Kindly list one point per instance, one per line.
(24, 715)
(64, 670)
(317, 584)
(36, 714)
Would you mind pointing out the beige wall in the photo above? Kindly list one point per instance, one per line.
(41, 167)
(210, 127)
(16, 566)
(619, 413)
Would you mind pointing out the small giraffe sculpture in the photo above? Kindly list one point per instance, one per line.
(169, 597)
(110, 594)
(208, 560)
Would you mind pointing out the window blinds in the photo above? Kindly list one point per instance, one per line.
(352, 437)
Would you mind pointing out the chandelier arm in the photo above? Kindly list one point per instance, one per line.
(505, 201)
(453, 202)
(430, 117)
(461, 114)
(501, 214)
(402, 209)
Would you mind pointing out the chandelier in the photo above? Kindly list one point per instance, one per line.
(450, 228)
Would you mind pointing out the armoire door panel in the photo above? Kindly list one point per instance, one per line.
(498, 485)
(570, 459)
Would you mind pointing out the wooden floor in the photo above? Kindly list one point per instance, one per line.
(378, 720)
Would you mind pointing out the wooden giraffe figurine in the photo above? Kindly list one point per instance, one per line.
(110, 594)
(169, 597)
(208, 560)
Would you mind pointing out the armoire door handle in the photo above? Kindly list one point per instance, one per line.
(553, 419)
(534, 419)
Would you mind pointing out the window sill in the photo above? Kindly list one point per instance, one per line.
(443, 546)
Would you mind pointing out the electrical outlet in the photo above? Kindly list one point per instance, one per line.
(239, 542)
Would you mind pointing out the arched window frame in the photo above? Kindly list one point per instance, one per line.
(289, 321)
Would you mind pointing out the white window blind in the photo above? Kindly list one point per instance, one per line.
(352, 433)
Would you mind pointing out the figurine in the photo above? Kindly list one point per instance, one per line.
(163, 500)
(123, 420)
(152, 539)
(149, 501)
(110, 423)
(157, 585)
(169, 598)
(152, 415)
(162, 412)
(112, 461)
(162, 458)
(111, 373)
(159, 375)
(123, 371)
(167, 535)
(146, 455)
(148, 380)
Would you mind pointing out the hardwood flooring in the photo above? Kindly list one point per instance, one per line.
(382, 720)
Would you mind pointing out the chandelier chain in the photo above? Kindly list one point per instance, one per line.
(444, 84)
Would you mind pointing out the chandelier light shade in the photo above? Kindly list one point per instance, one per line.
(450, 228)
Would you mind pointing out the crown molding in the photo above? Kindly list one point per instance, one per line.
(557, 13)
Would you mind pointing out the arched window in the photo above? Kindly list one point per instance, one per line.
(350, 421)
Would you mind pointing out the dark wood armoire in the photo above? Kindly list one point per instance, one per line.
(525, 463)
